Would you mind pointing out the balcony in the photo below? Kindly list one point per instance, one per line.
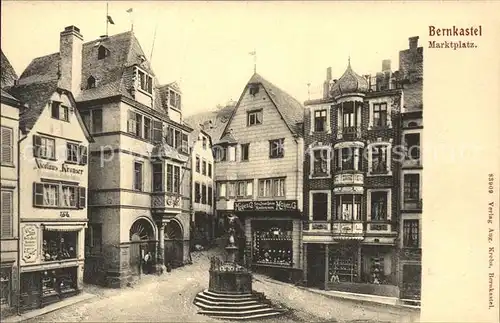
(318, 226)
(412, 205)
(351, 178)
(166, 202)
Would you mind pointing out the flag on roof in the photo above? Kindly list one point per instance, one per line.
(130, 10)
(110, 20)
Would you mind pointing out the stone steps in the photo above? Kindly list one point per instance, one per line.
(235, 306)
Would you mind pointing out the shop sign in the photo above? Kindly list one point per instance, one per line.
(282, 205)
(30, 243)
(65, 168)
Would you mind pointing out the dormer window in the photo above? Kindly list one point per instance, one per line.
(91, 82)
(102, 52)
(174, 99)
(145, 81)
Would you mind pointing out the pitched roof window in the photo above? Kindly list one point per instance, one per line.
(102, 52)
(90, 82)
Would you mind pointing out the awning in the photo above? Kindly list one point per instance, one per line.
(64, 227)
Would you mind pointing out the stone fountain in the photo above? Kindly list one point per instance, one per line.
(230, 295)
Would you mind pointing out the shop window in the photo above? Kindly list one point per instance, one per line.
(59, 245)
(342, 265)
(7, 213)
(44, 147)
(5, 286)
(58, 283)
(379, 206)
(348, 207)
(158, 177)
(411, 234)
(254, 118)
(320, 206)
(411, 187)
(7, 146)
(277, 148)
(272, 243)
(138, 176)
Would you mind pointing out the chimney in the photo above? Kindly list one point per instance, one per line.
(70, 49)
(329, 74)
(413, 42)
(386, 65)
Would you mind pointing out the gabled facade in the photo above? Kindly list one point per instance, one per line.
(352, 183)
(9, 163)
(139, 181)
(259, 176)
(53, 152)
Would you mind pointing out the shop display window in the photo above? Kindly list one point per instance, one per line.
(272, 243)
(5, 286)
(59, 282)
(59, 245)
(342, 266)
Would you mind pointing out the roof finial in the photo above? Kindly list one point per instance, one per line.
(254, 54)
(349, 60)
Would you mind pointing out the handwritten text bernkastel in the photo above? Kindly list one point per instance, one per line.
(456, 31)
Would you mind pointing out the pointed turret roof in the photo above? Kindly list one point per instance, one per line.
(349, 83)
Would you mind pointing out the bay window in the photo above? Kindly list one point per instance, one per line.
(348, 159)
(158, 177)
(348, 207)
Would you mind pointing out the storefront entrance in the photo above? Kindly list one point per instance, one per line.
(142, 248)
(174, 245)
(316, 265)
(412, 276)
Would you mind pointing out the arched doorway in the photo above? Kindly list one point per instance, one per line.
(142, 241)
(174, 253)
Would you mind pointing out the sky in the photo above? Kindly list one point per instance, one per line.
(205, 46)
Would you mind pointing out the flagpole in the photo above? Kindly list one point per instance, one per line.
(107, 20)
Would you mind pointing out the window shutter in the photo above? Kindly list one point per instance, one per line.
(37, 194)
(37, 144)
(7, 210)
(83, 155)
(81, 197)
(7, 147)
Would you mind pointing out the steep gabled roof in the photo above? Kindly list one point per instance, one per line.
(288, 107)
(8, 74)
(214, 122)
(35, 96)
(113, 74)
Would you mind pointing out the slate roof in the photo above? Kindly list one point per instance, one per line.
(349, 82)
(8, 74)
(35, 96)
(214, 122)
(291, 110)
(113, 74)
